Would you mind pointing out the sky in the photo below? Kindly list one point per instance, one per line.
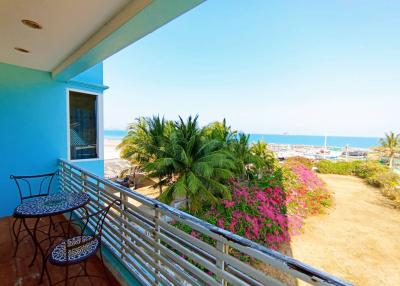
(268, 67)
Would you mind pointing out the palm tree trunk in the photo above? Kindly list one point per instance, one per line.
(134, 179)
(391, 161)
(159, 185)
(187, 196)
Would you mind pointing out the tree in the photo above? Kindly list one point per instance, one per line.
(199, 164)
(132, 147)
(145, 141)
(390, 145)
(246, 162)
(267, 157)
(220, 131)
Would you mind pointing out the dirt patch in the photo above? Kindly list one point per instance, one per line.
(358, 239)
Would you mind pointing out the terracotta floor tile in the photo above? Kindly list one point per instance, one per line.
(15, 271)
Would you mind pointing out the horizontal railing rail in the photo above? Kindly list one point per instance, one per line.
(148, 238)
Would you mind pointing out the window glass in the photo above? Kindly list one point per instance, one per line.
(83, 125)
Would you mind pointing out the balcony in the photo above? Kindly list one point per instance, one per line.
(143, 242)
(15, 270)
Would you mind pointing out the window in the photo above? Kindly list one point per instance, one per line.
(83, 125)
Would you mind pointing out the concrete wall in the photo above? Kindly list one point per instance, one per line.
(33, 125)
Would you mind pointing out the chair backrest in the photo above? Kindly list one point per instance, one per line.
(34, 185)
(95, 221)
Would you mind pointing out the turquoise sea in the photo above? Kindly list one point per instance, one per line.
(336, 141)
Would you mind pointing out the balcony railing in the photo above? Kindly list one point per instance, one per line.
(143, 234)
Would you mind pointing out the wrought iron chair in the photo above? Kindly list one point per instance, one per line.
(30, 187)
(79, 244)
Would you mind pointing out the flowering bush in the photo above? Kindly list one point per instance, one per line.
(267, 212)
(254, 213)
(309, 196)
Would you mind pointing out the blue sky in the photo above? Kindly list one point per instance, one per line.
(302, 67)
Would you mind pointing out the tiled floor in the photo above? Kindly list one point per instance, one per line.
(14, 271)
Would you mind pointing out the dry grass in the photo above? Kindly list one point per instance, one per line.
(358, 239)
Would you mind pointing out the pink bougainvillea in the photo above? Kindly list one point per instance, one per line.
(270, 215)
(257, 214)
(309, 195)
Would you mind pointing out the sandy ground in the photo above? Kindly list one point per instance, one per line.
(110, 151)
(358, 239)
(113, 164)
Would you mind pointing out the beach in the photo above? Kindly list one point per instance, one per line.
(110, 151)
(113, 164)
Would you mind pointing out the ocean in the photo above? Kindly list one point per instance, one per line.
(334, 141)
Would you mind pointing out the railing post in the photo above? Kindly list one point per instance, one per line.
(61, 174)
(98, 191)
(83, 181)
(220, 263)
(70, 179)
(157, 242)
(123, 234)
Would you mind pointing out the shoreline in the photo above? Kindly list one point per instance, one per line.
(281, 150)
(338, 141)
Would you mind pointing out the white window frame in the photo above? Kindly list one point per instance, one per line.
(99, 116)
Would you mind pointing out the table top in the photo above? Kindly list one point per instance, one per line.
(53, 204)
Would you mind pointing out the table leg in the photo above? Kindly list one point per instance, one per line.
(16, 234)
(33, 236)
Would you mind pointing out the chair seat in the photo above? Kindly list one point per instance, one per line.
(80, 248)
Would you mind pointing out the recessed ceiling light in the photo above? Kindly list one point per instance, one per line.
(21, 50)
(31, 24)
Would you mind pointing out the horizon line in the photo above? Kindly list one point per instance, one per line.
(282, 134)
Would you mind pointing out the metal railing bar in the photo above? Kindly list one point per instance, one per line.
(297, 269)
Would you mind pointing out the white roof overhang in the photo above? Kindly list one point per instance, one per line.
(77, 35)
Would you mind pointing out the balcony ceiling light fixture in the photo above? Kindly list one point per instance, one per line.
(31, 24)
(21, 50)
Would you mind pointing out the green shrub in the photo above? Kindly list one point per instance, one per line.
(299, 160)
(367, 169)
(387, 182)
(384, 179)
(339, 168)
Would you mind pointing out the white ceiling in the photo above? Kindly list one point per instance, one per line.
(67, 24)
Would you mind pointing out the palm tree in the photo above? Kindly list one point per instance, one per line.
(245, 160)
(391, 146)
(199, 164)
(145, 141)
(220, 131)
(268, 159)
(132, 147)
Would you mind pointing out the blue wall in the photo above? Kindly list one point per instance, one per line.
(94, 75)
(33, 125)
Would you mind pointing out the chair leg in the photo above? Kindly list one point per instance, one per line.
(44, 269)
(53, 224)
(16, 234)
(34, 238)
